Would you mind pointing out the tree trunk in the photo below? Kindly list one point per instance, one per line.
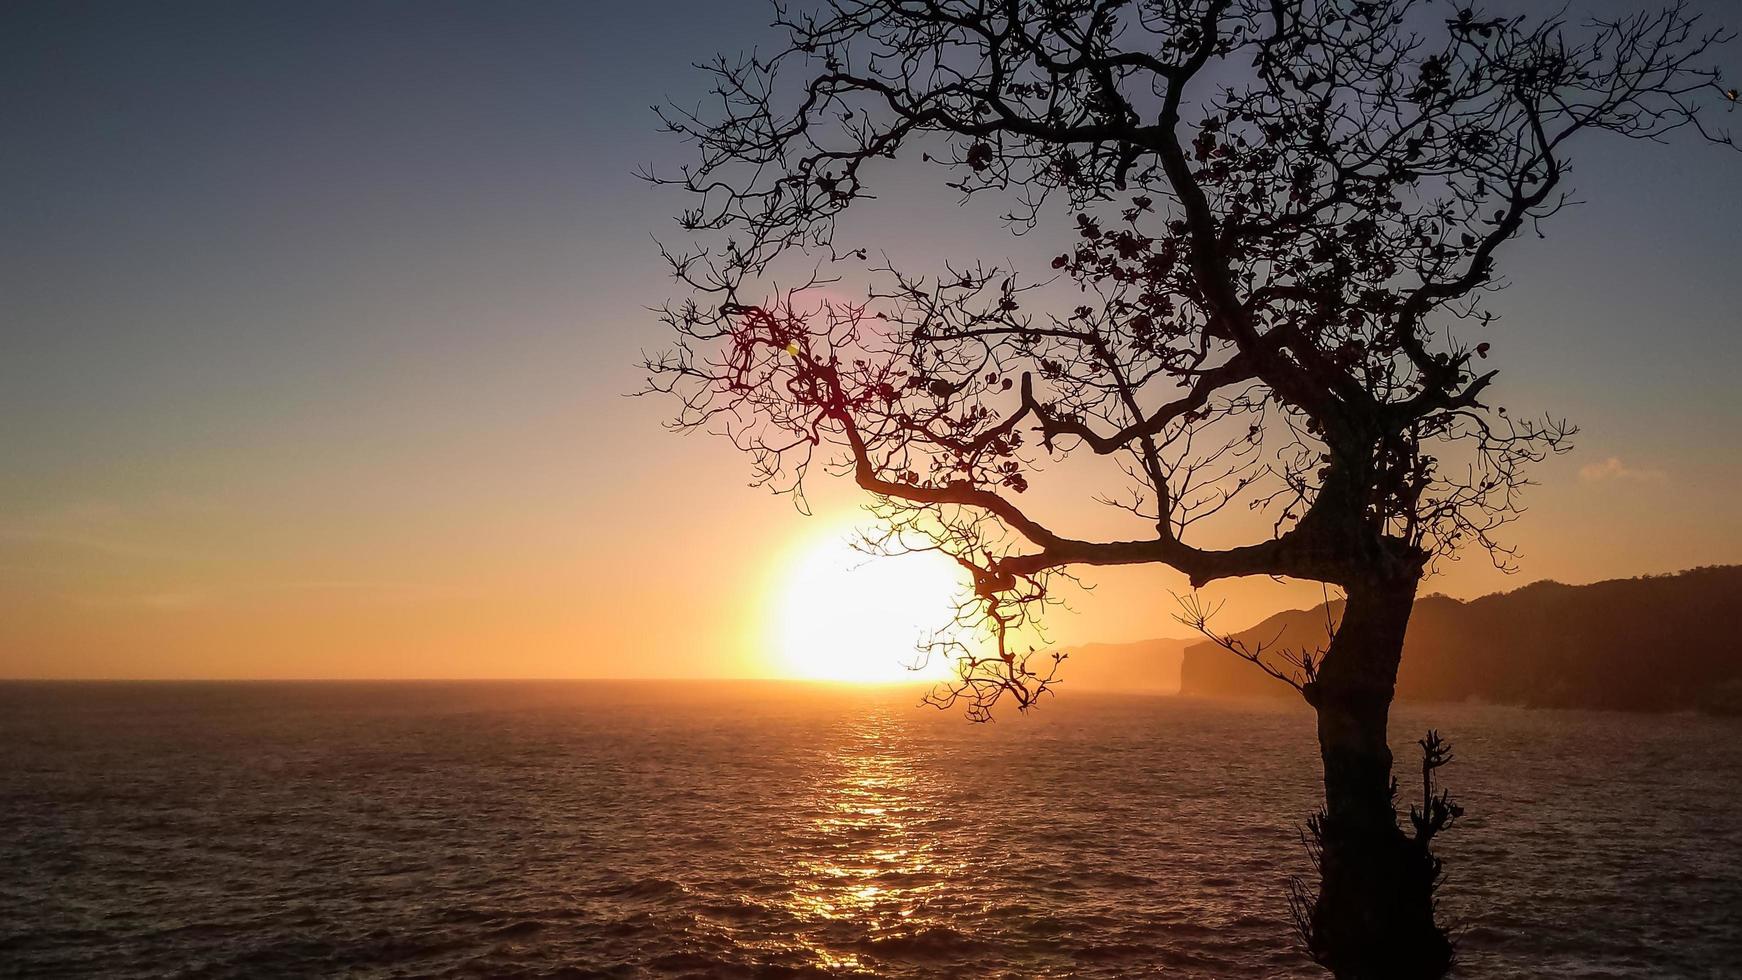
(1373, 916)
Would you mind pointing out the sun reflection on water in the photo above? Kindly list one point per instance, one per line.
(873, 862)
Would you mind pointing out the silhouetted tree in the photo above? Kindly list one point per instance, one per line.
(1286, 216)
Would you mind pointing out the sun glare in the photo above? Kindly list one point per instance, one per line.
(847, 616)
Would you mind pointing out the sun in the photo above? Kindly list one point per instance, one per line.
(843, 615)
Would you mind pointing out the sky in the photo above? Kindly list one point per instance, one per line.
(317, 322)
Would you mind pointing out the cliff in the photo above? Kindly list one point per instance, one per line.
(1658, 643)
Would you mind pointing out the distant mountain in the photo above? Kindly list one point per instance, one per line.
(1145, 667)
(1658, 643)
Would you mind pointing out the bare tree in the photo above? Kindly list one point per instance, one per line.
(1286, 218)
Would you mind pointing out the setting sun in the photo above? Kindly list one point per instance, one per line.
(847, 616)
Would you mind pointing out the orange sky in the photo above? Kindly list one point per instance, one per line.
(319, 329)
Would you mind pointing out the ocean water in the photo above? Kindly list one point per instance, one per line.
(772, 830)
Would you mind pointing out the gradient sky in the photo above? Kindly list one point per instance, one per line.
(317, 320)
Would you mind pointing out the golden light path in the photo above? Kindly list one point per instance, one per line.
(843, 615)
(876, 863)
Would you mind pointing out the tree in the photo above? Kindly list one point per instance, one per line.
(1286, 218)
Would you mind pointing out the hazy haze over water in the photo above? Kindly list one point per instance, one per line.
(641, 829)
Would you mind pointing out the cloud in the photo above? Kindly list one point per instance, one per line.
(155, 601)
(96, 526)
(201, 597)
(1612, 469)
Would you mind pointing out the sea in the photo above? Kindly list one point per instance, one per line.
(768, 829)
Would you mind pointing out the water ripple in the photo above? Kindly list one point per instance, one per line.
(634, 830)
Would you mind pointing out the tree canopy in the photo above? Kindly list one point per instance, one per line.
(1284, 220)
